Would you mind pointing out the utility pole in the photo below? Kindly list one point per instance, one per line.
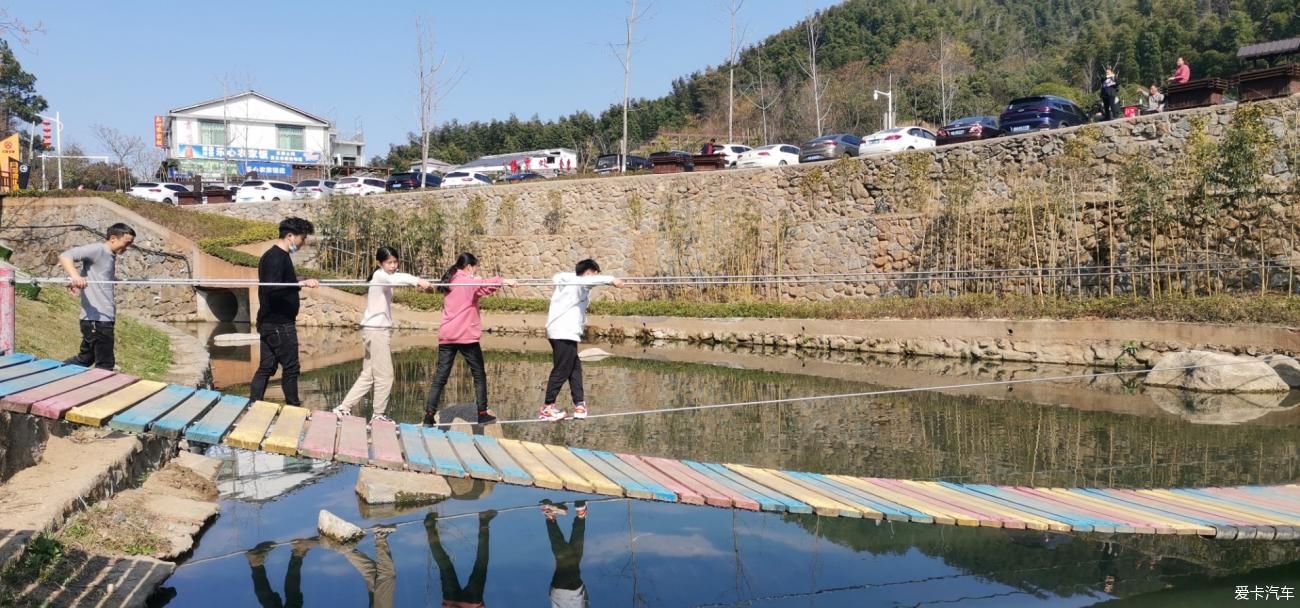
(889, 98)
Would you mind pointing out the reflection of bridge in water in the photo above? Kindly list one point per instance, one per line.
(48, 388)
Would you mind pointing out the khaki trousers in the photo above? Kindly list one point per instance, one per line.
(376, 371)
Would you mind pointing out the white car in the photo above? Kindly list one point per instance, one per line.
(898, 139)
(361, 186)
(731, 152)
(774, 155)
(262, 190)
(465, 179)
(158, 192)
(311, 189)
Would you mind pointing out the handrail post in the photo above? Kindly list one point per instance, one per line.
(8, 311)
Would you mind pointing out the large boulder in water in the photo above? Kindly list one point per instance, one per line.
(1215, 408)
(1200, 370)
(1286, 367)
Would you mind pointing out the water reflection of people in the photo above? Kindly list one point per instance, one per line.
(453, 595)
(292, 578)
(567, 589)
(379, 573)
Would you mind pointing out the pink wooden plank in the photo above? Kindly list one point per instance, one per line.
(684, 493)
(388, 450)
(353, 445)
(1140, 526)
(986, 519)
(54, 407)
(318, 443)
(714, 494)
(22, 402)
(1247, 498)
(1179, 509)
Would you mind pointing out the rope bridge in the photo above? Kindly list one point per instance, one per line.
(94, 397)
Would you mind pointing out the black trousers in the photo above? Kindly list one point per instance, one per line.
(279, 350)
(96, 345)
(1109, 106)
(268, 598)
(568, 555)
(565, 366)
(472, 592)
(473, 355)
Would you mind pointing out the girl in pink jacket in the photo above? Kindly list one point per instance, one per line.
(460, 332)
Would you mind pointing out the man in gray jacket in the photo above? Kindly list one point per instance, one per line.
(98, 300)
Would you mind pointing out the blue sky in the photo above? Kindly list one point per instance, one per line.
(120, 63)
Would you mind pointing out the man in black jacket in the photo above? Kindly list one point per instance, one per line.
(277, 313)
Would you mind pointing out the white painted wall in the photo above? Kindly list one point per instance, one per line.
(250, 123)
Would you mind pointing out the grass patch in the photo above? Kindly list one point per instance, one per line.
(119, 527)
(48, 327)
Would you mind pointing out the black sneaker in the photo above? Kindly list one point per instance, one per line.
(486, 417)
(430, 419)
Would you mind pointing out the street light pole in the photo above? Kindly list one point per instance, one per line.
(889, 98)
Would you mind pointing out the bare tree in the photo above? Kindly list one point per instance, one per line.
(122, 147)
(812, 26)
(952, 61)
(435, 85)
(762, 97)
(733, 7)
(147, 162)
(626, 60)
(17, 28)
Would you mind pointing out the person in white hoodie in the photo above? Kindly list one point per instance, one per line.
(565, 323)
(376, 329)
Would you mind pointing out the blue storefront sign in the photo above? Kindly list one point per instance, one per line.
(264, 169)
(299, 157)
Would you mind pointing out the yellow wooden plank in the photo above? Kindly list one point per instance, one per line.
(600, 483)
(1238, 512)
(1032, 521)
(251, 429)
(542, 476)
(1146, 521)
(284, 436)
(103, 408)
(821, 504)
(940, 514)
(571, 479)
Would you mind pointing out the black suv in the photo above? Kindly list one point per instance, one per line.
(1040, 112)
(411, 181)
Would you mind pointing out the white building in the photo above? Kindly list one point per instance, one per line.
(553, 160)
(226, 138)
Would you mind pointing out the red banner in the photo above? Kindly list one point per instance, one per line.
(158, 132)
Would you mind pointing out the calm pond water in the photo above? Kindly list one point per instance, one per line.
(493, 543)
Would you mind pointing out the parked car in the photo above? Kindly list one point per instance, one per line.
(310, 189)
(218, 193)
(515, 178)
(829, 146)
(688, 161)
(969, 128)
(1040, 112)
(262, 190)
(731, 152)
(361, 186)
(897, 140)
(608, 163)
(774, 155)
(465, 179)
(158, 192)
(411, 180)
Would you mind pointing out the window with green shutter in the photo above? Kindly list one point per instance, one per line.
(289, 138)
(212, 133)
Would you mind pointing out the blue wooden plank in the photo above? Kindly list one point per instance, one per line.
(475, 464)
(510, 470)
(27, 369)
(137, 419)
(657, 490)
(1005, 499)
(630, 486)
(213, 426)
(15, 359)
(417, 455)
(189, 410)
(1284, 518)
(1057, 510)
(891, 510)
(765, 502)
(38, 379)
(1167, 511)
(442, 454)
(792, 505)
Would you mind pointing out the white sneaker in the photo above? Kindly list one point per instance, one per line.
(551, 413)
(341, 411)
(580, 410)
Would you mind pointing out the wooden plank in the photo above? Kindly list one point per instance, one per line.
(13, 359)
(684, 492)
(511, 472)
(251, 428)
(22, 402)
(1212, 524)
(1249, 513)
(213, 425)
(174, 423)
(137, 419)
(475, 464)
(820, 503)
(417, 455)
(789, 503)
(1162, 523)
(318, 443)
(1100, 523)
(445, 461)
(571, 479)
(714, 494)
(657, 490)
(986, 520)
(630, 486)
(36, 380)
(1283, 515)
(354, 445)
(27, 369)
(1136, 525)
(599, 483)
(1022, 518)
(542, 476)
(100, 410)
(1034, 517)
(891, 510)
(862, 508)
(284, 435)
(764, 501)
(1275, 502)
(385, 448)
(936, 514)
(54, 407)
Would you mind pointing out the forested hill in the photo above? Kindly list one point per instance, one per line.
(947, 57)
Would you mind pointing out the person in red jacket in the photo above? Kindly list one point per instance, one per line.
(1182, 73)
(460, 331)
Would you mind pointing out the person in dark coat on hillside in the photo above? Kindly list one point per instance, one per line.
(1110, 95)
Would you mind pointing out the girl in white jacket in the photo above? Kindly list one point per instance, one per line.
(564, 326)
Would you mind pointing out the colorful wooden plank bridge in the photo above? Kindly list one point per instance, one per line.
(96, 397)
